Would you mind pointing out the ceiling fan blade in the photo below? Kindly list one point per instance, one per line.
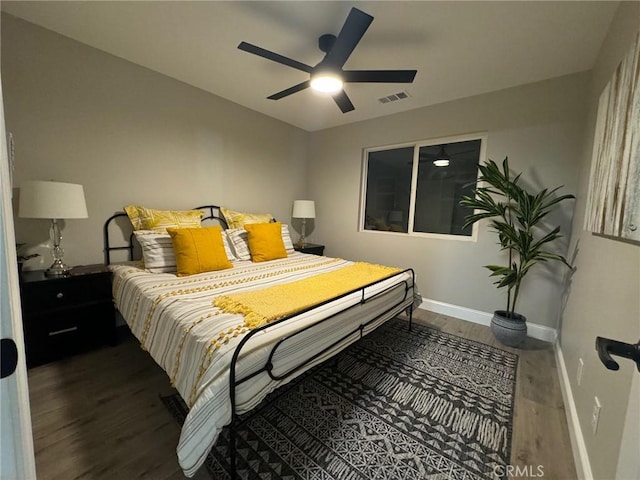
(380, 76)
(261, 52)
(290, 91)
(342, 100)
(352, 31)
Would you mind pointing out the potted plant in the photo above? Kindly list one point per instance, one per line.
(23, 258)
(517, 217)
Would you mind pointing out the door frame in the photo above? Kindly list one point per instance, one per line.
(18, 460)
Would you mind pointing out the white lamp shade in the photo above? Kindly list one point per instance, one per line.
(54, 200)
(304, 209)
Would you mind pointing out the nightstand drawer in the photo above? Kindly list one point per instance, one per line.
(64, 316)
(57, 334)
(62, 293)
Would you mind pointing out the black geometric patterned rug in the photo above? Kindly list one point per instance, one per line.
(395, 405)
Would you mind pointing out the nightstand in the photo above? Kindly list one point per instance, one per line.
(311, 248)
(66, 315)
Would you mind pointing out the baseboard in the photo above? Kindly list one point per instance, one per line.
(541, 332)
(580, 455)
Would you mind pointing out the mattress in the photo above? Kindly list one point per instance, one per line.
(175, 321)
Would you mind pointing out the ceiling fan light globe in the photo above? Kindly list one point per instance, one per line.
(441, 162)
(326, 83)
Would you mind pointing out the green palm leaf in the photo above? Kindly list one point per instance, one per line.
(515, 216)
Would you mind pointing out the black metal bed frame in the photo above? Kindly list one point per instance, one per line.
(236, 421)
(130, 245)
(268, 367)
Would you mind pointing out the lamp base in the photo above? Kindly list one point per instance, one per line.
(301, 243)
(57, 269)
(303, 239)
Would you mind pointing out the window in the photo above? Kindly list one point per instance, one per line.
(417, 188)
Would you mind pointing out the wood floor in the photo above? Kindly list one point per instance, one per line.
(98, 415)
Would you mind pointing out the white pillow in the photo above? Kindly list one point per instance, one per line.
(157, 251)
(286, 238)
(158, 254)
(239, 240)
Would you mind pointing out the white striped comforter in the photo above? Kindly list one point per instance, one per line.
(175, 321)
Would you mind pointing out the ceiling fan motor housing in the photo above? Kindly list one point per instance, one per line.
(326, 42)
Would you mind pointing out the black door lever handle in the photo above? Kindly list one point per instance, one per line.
(607, 347)
(8, 357)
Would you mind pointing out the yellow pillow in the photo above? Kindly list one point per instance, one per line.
(265, 241)
(239, 219)
(198, 250)
(143, 218)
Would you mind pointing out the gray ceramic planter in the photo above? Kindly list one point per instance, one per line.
(509, 331)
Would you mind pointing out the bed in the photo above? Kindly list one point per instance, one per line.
(221, 367)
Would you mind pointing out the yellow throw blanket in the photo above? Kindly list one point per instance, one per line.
(260, 307)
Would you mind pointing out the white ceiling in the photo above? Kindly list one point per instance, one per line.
(459, 48)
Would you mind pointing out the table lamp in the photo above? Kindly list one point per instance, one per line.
(55, 201)
(303, 209)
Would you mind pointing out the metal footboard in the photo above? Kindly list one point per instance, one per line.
(268, 366)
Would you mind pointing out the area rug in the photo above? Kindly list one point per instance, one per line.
(395, 405)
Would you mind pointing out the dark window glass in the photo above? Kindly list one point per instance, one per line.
(440, 188)
(446, 172)
(388, 189)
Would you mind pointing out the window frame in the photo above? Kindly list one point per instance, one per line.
(482, 136)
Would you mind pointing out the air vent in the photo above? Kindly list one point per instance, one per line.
(394, 97)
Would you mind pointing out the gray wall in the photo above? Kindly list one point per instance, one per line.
(130, 135)
(539, 126)
(605, 290)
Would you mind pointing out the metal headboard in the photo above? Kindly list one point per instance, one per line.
(212, 212)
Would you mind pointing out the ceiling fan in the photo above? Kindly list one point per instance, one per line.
(328, 75)
(442, 158)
